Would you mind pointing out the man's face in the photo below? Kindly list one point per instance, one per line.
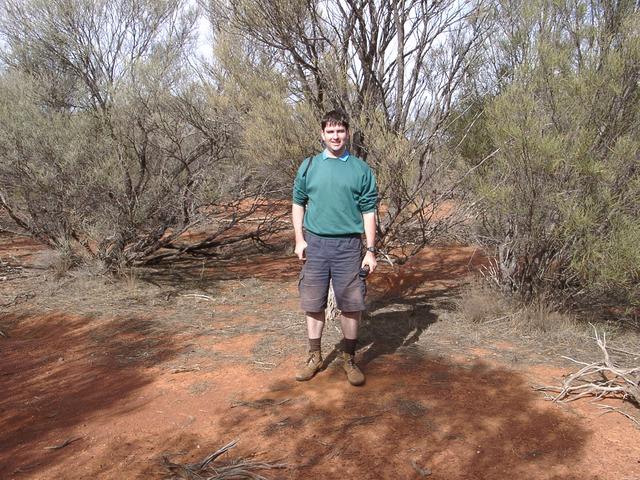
(335, 138)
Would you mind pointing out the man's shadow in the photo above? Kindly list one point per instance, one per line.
(390, 324)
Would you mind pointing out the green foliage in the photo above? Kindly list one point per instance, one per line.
(275, 133)
(561, 197)
(394, 68)
(134, 151)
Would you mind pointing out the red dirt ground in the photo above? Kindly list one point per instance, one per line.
(127, 377)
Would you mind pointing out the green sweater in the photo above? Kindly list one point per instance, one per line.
(335, 193)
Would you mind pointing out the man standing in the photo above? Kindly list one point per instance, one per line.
(334, 202)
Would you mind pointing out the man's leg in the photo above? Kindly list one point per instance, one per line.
(313, 287)
(315, 325)
(350, 290)
(349, 322)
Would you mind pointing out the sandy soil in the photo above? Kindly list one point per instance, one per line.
(101, 379)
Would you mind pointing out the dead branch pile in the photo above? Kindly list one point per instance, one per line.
(602, 379)
(206, 470)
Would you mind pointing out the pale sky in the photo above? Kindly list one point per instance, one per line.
(205, 38)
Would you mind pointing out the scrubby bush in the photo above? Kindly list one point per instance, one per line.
(111, 146)
(395, 68)
(559, 200)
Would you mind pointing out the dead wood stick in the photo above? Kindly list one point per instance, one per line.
(199, 295)
(599, 379)
(609, 408)
(68, 441)
(626, 352)
(240, 468)
(265, 402)
(185, 368)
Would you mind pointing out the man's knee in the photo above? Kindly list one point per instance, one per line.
(352, 315)
(351, 297)
(319, 316)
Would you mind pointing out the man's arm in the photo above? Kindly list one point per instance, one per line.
(369, 219)
(297, 217)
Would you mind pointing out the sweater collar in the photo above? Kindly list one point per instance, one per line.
(345, 155)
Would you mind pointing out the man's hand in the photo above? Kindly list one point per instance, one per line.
(300, 249)
(370, 260)
(297, 216)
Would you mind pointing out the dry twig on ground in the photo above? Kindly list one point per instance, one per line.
(205, 470)
(68, 441)
(185, 368)
(262, 403)
(602, 379)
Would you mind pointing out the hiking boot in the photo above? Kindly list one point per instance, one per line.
(310, 368)
(354, 374)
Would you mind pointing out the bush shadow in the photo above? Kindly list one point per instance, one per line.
(416, 417)
(203, 273)
(58, 370)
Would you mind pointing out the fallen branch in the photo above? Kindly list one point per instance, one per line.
(601, 380)
(265, 402)
(26, 468)
(362, 420)
(625, 352)
(185, 368)
(199, 295)
(264, 364)
(205, 470)
(68, 441)
(609, 408)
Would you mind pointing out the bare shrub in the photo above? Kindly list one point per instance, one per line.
(395, 68)
(110, 144)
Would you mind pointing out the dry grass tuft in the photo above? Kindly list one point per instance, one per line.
(206, 470)
(479, 303)
(488, 307)
(543, 317)
(62, 264)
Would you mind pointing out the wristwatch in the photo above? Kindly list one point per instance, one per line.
(371, 249)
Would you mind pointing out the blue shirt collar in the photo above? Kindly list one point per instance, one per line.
(345, 155)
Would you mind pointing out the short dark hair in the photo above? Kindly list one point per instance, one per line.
(335, 117)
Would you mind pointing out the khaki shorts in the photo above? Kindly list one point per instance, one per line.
(336, 259)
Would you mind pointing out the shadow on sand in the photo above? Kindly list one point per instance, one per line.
(59, 370)
(415, 417)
